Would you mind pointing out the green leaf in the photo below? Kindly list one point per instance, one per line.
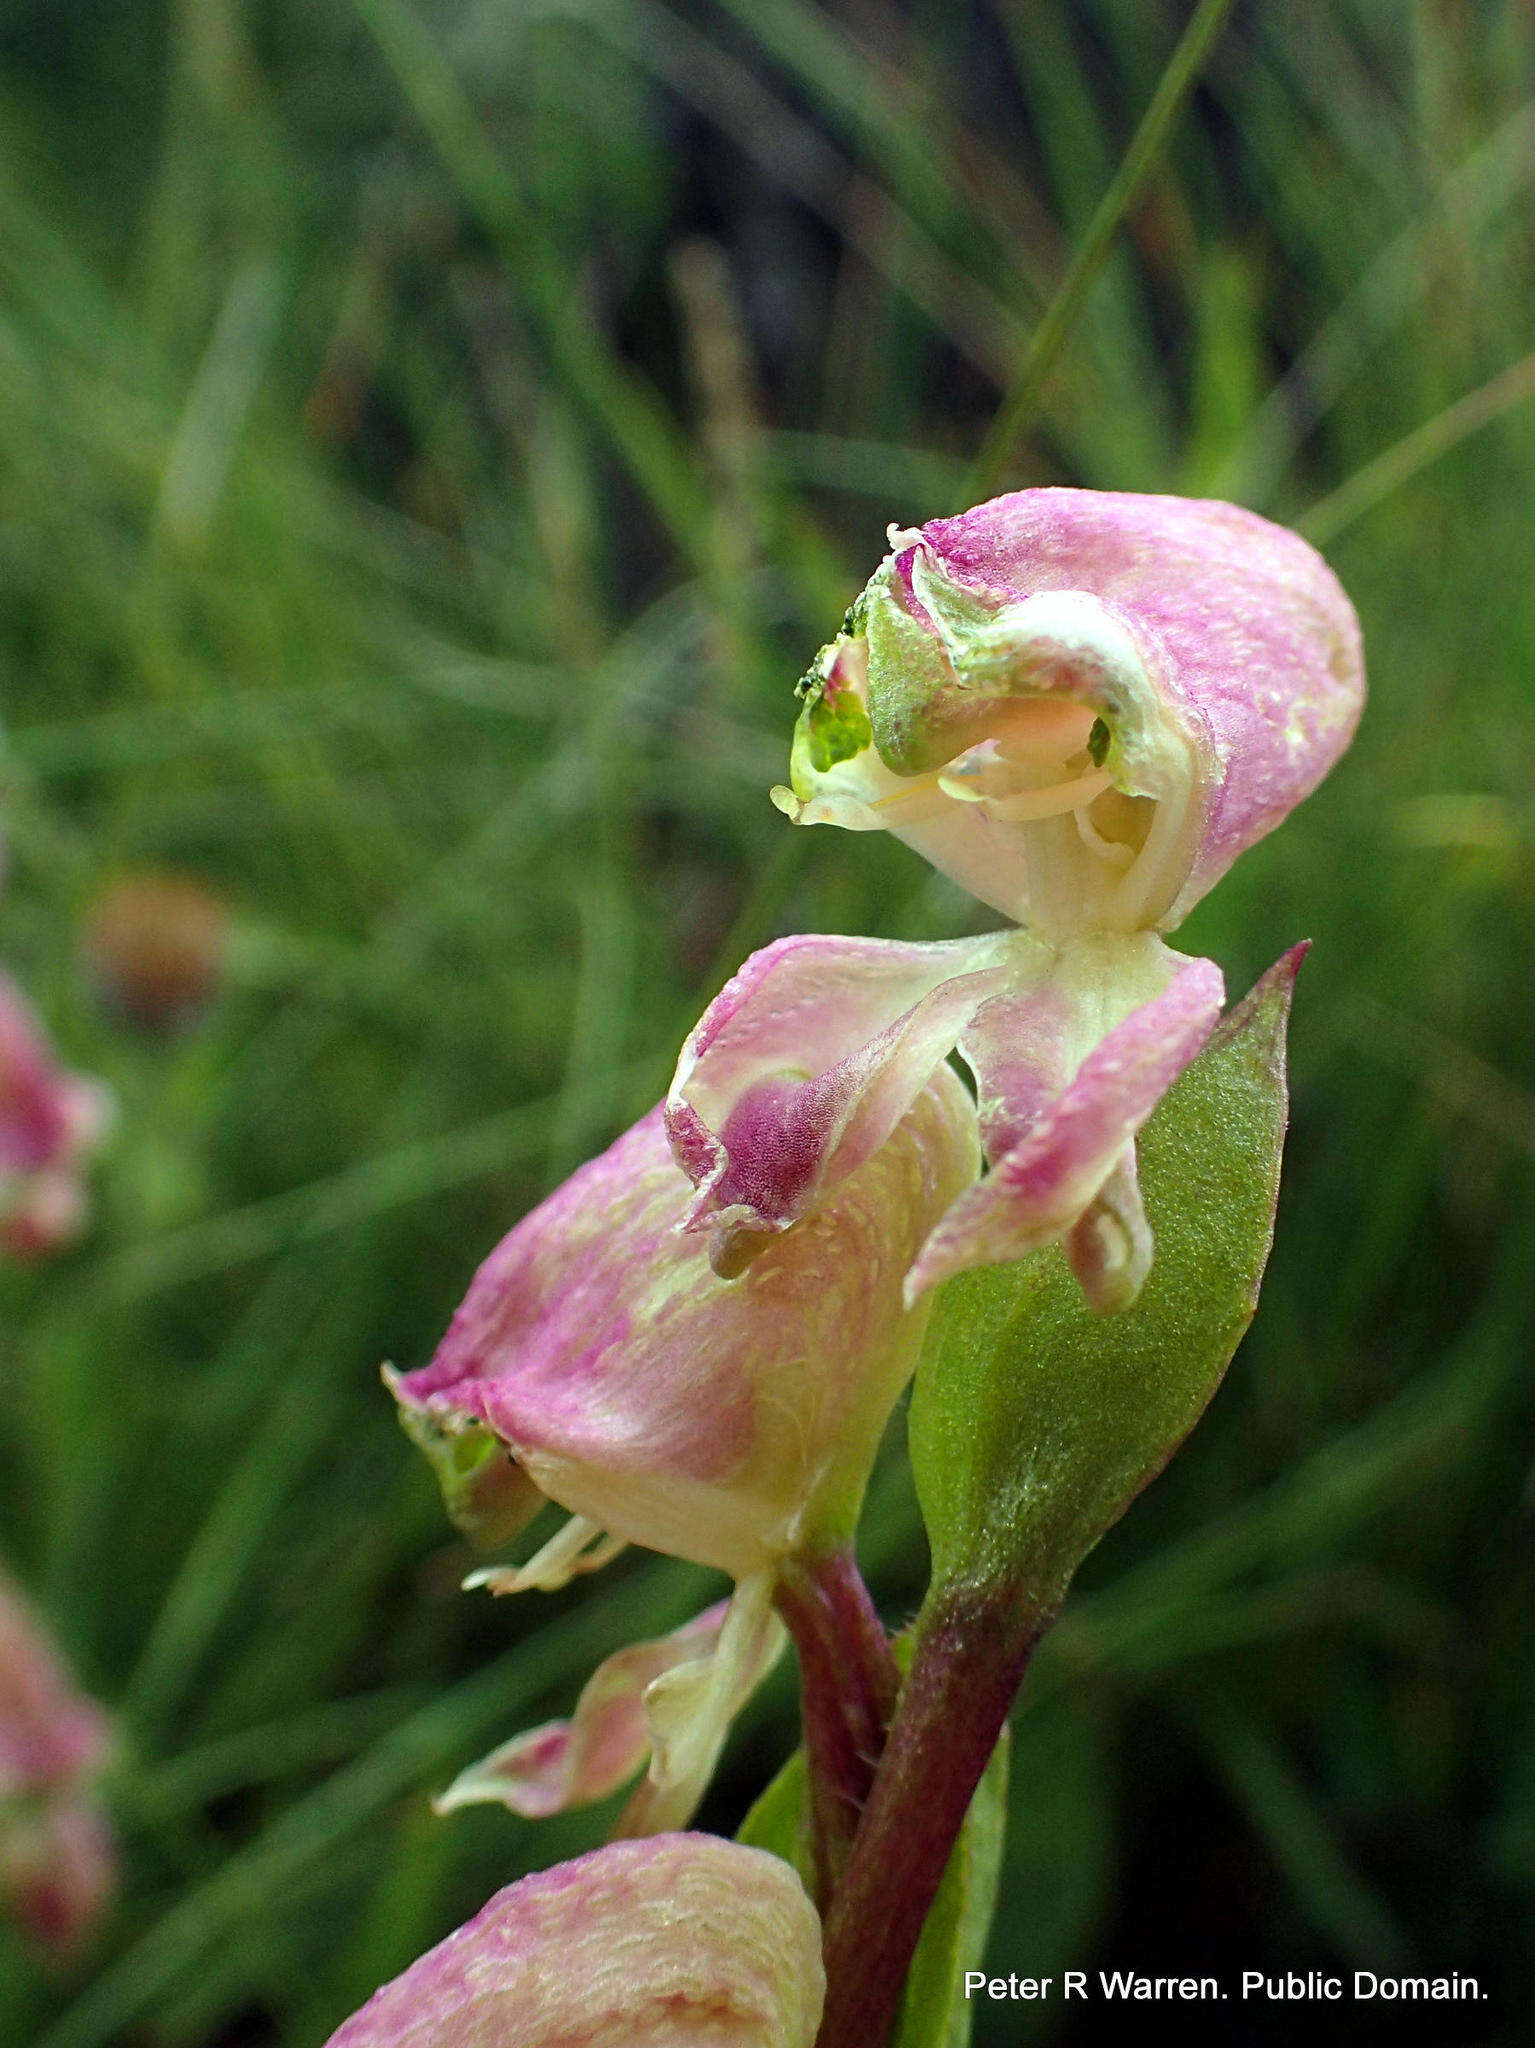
(780, 1820)
(1034, 1423)
(935, 2012)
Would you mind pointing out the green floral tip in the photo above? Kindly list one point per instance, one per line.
(489, 1498)
(838, 728)
(834, 726)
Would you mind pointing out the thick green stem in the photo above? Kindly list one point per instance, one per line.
(970, 1655)
(848, 1687)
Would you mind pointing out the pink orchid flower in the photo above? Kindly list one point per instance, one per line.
(57, 1863)
(1082, 706)
(599, 1361)
(681, 1939)
(49, 1123)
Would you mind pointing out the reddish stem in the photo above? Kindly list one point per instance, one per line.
(968, 1662)
(848, 1687)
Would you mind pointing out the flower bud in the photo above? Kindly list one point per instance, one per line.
(155, 946)
(658, 1944)
(49, 1122)
(57, 1862)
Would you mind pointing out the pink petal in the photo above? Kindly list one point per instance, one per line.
(689, 1708)
(58, 1870)
(57, 1862)
(804, 1064)
(1024, 1045)
(691, 1414)
(604, 1744)
(653, 1944)
(1245, 632)
(35, 1123)
(49, 1121)
(1040, 1188)
(51, 1735)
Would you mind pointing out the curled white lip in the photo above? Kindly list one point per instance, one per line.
(1103, 873)
(1028, 814)
(1053, 801)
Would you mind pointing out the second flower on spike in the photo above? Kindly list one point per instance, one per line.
(600, 1362)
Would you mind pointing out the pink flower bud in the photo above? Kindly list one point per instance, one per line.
(49, 1122)
(679, 1939)
(57, 1863)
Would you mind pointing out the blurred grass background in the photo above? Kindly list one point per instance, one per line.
(434, 435)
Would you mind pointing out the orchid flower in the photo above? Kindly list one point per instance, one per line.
(49, 1123)
(56, 1854)
(658, 1944)
(1081, 706)
(599, 1361)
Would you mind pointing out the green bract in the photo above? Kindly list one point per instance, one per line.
(1034, 1423)
(934, 2012)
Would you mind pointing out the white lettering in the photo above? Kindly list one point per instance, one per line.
(1123, 1984)
(1291, 1986)
(1368, 1985)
